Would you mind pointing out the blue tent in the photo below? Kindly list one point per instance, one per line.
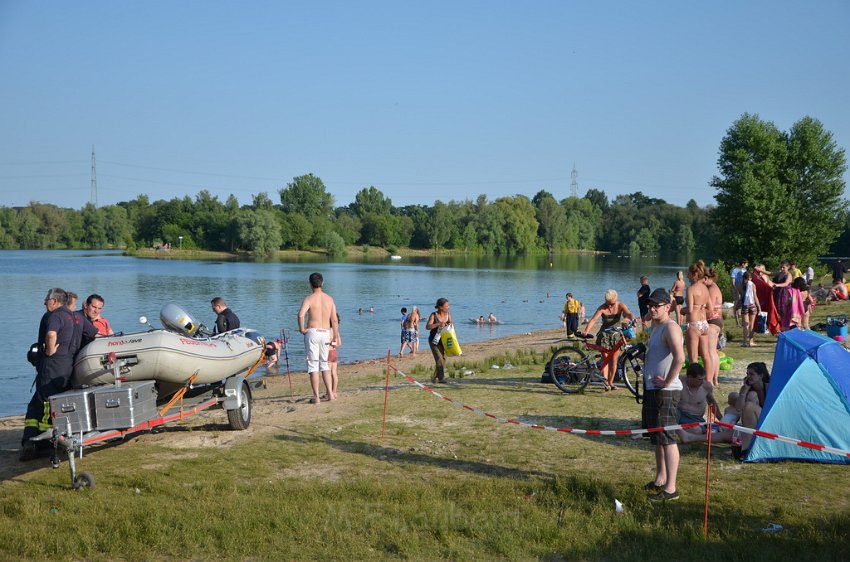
(808, 399)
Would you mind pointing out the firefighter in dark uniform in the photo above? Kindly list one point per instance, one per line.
(225, 319)
(59, 337)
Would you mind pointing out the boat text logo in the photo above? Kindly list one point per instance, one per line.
(124, 342)
(186, 341)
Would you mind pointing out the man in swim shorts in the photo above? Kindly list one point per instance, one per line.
(319, 323)
(663, 389)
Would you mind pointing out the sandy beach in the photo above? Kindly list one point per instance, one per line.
(274, 408)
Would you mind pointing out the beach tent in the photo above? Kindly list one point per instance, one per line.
(808, 399)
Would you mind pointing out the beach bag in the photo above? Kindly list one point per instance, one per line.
(449, 340)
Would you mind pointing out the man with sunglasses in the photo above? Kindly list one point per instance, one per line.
(665, 356)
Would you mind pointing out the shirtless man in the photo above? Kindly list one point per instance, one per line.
(317, 320)
(697, 395)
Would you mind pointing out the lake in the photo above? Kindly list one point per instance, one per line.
(525, 293)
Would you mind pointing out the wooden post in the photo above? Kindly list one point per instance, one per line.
(386, 397)
(710, 419)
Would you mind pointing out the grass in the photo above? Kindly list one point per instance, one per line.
(443, 483)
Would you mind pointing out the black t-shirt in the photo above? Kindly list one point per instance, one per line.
(643, 299)
(68, 328)
(226, 321)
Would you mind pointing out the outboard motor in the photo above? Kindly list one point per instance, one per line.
(173, 317)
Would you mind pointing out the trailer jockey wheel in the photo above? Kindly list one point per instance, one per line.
(83, 480)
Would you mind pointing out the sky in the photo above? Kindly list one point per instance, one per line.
(426, 101)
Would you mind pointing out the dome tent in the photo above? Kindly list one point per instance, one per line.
(808, 399)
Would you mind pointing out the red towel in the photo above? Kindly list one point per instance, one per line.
(764, 293)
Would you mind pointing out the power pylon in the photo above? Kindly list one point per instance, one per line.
(93, 179)
(574, 182)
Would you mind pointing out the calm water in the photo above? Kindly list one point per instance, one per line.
(525, 293)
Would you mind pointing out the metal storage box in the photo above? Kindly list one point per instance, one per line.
(121, 407)
(73, 411)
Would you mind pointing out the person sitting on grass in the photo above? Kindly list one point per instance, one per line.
(697, 395)
(838, 293)
(751, 400)
(719, 434)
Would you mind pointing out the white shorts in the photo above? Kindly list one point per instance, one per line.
(317, 343)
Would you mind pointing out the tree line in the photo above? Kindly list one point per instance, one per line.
(778, 195)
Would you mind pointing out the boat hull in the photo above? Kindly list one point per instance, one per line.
(166, 356)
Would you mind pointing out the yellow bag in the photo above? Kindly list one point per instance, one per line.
(449, 340)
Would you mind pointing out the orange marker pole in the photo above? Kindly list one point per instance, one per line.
(386, 397)
(707, 471)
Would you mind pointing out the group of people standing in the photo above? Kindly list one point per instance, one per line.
(62, 332)
(784, 296)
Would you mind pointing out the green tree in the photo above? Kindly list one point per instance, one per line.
(348, 227)
(335, 245)
(8, 228)
(28, 226)
(552, 219)
(306, 195)
(371, 200)
(786, 187)
(259, 231)
(94, 227)
(814, 177)
(520, 224)
(297, 230)
(583, 223)
(685, 238)
(647, 242)
(116, 225)
(598, 198)
(262, 202)
(52, 223)
(439, 225)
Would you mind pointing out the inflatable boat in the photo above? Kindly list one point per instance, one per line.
(170, 355)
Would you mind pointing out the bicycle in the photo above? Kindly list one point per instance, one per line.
(574, 367)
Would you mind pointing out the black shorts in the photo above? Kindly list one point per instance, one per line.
(660, 409)
(680, 300)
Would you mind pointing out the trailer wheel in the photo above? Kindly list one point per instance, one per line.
(240, 418)
(83, 480)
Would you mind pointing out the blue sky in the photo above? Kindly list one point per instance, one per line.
(425, 101)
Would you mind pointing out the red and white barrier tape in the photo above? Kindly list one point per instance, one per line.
(615, 432)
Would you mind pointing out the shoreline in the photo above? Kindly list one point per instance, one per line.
(472, 351)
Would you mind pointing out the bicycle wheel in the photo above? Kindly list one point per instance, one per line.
(570, 369)
(630, 369)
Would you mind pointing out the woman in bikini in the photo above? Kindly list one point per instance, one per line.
(677, 293)
(714, 316)
(612, 312)
(698, 303)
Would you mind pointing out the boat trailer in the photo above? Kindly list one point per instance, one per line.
(125, 412)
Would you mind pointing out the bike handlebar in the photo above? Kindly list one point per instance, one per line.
(630, 324)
